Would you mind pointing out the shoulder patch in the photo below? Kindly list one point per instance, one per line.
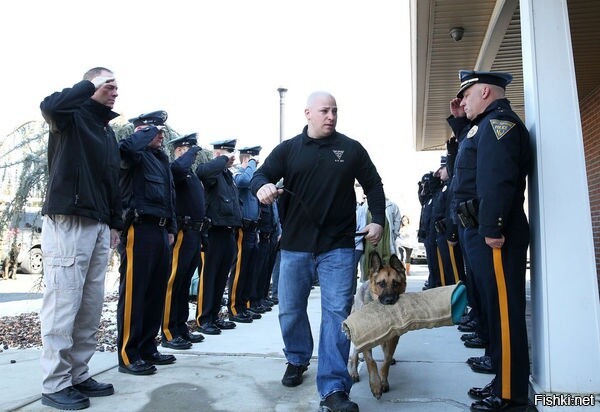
(472, 131)
(501, 127)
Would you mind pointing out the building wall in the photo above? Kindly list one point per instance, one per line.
(590, 124)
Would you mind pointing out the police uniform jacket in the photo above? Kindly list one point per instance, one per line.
(248, 201)
(502, 158)
(190, 192)
(320, 215)
(83, 157)
(146, 180)
(222, 202)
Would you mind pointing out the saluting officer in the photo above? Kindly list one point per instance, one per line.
(223, 209)
(496, 230)
(191, 213)
(243, 274)
(148, 197)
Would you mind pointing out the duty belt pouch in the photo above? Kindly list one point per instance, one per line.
(465, 214)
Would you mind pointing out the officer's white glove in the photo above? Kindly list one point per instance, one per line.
(100, 81)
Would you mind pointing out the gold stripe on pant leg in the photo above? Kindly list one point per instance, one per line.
(128, 294)
(504, 324)
(236, 275)
(441, 266)
(169, 294)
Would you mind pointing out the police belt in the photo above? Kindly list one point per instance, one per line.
(187, 223)
(150, 219)
(468, 212)
(248, 224)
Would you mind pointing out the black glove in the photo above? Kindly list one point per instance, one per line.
(452, 146)
(195, 149)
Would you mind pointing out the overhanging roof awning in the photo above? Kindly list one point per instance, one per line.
(491, 41)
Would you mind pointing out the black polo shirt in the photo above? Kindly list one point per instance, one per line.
(320, 211)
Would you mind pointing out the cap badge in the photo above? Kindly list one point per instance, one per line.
(501, 127)
(472, 132)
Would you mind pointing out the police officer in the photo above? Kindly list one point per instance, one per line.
(191, 211)
(268, 232)
(243, 274)
(449, 256)
(148, 197)
(223, 209)
(430, 184)
(496, 156)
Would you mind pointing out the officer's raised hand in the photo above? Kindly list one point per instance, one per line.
(100, 81)
(455, 109)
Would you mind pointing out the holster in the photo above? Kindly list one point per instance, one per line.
(468, 212)
(440, 226)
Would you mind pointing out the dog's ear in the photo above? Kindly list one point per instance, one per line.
(397, 264)
(376, 263)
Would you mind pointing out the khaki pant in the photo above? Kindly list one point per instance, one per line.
(76, 251)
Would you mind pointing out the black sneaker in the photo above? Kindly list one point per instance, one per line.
(90, 387)
(293, 375)
(338, 402)
(68, 399)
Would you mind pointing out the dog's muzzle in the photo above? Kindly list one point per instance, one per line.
(388, 299)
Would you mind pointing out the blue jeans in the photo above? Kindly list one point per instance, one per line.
(335, 269)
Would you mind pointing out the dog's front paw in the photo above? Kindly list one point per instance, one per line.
(354, 377)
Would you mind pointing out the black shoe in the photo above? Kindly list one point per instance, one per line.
(477, 359)
(193, 337)
(257, 309)
(209, 329)
(69, 399)
(266, 302)
(158, 358)
(224, 324)
(337, 402)
(275, 300)
(475, 343)
(485, 366)
(293, 375)
(480, 393)
(138, 368)
(176, 343)
(90, 387)
(470, 326)
(494, 403)
(252, 314)
(240, 318)
(468, 336)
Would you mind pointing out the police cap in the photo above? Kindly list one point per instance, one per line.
(252, 151)
(228, 145)
(187, 140)
(469, 77)
(157, 118)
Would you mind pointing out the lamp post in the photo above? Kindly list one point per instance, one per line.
(282, 91)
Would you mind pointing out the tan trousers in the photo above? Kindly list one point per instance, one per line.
(76, 251)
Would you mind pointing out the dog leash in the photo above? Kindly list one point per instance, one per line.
(312, 219)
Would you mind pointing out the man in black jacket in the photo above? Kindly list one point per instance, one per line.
(150, 226)
(82, 217)
(319, 167)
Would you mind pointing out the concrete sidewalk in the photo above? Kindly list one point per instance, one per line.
(241, 369)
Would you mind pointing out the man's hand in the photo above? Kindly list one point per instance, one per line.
(268, 193)
(373, 232)
(455, 109)
(115, 238)
(495, 243)
(171, 239)
(100, 81)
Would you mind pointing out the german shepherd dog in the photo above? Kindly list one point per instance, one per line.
(386, 283)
